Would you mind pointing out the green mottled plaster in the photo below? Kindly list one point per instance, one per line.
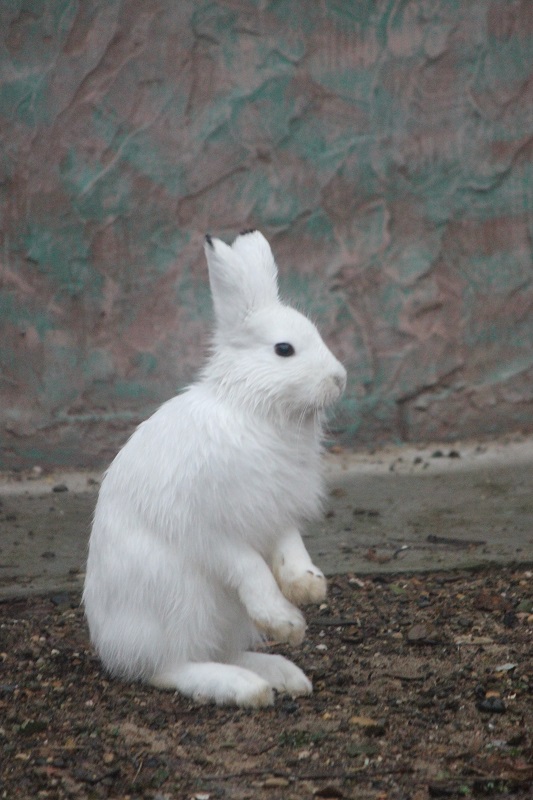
(384, 147)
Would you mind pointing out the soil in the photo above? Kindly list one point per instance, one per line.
(422, 689)
(409, 509)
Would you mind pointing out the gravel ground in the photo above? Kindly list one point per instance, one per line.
(408, 508)
(422, 689)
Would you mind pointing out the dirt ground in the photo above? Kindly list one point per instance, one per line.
(422, 689)
(398, 508)
(422, 671)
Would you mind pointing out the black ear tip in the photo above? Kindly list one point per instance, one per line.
(209, 240)
(247, 231)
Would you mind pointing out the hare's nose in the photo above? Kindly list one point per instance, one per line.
(340, 380)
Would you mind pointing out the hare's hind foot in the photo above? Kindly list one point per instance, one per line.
(211, 682)
(280, 673)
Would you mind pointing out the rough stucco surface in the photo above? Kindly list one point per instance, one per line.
(385, 148)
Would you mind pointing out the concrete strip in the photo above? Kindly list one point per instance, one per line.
(398, 509)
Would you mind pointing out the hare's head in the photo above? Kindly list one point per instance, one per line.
(266, 354)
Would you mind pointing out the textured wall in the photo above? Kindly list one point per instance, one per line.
(384, 147)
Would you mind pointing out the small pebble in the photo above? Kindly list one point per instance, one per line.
(61, 599)
(491, 705)
(275, 783)
(329, 792)
(372, 727)
(510, 619)
(289, 707)
(31, 726)
(420, 633)
(508, 667)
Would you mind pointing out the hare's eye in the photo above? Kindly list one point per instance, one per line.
(284, 349)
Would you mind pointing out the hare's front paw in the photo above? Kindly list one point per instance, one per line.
(302, 586)
(286, 624)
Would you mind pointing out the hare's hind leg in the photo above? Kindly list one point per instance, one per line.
(279, 672)
(211, 682)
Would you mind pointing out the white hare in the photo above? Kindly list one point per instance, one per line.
(195, 554)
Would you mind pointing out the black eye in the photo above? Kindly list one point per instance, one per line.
(284, 349)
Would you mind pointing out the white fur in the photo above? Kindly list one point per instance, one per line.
(195, 553)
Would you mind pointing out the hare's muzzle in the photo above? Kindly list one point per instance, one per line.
(340, 381)
(332, 386)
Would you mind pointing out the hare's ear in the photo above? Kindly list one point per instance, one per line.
(242, 277)
(227, 279)
(262, 272)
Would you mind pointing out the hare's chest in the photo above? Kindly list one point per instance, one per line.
(285, 485)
